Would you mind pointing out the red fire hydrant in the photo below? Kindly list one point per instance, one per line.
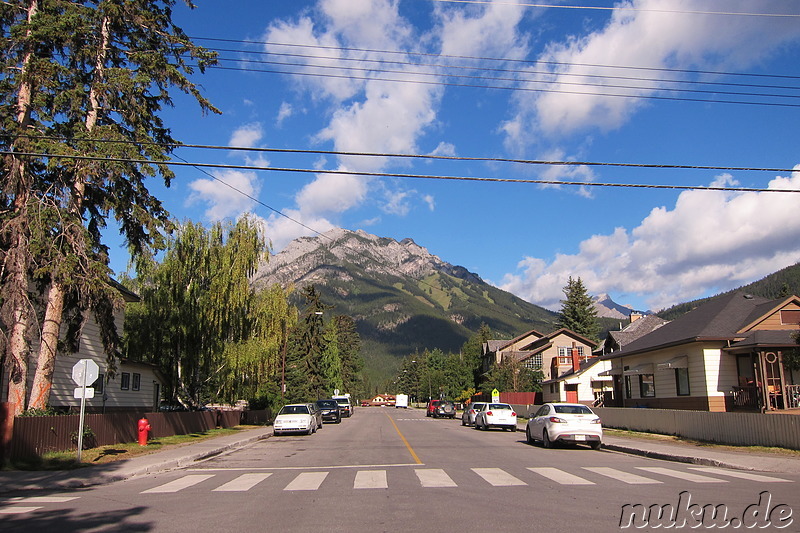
(144, 430)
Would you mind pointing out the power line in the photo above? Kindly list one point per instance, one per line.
(402, 175)
(612, 8)
(390, 155)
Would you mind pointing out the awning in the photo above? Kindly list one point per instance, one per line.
(676, 362)
(611, 372)
(644, 368)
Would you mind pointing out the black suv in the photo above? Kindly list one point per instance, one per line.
(330, 410)
(444, 408)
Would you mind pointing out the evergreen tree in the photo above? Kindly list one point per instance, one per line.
(81, 80)
(577, 310)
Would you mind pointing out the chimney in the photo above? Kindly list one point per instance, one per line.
(576, 360)
(635, 317)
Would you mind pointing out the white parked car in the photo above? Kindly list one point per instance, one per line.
(295, 418)
(565, 422)
(496, 415)
(470, 411)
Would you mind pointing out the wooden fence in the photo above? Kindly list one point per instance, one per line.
(740, 429)
(33, 436)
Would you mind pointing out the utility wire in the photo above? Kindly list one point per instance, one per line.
(340, 153)
(613, 8)
(403, 175)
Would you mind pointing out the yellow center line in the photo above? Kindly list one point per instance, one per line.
(410, 449)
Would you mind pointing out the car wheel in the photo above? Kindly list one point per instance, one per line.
(463, 422)
(276, 433)
(528, 436)
(595, 444)
(339, 420)
(546, 442)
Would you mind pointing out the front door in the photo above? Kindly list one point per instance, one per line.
(572, 393)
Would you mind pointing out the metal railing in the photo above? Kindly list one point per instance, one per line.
(746, 398)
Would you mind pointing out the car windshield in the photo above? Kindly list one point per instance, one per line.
(572, 410)
(499, 406)
(327, 404)
(294, 410)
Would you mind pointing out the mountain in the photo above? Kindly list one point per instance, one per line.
(776, 285)
(607, 308)
(403, 298)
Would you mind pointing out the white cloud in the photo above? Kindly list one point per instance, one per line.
(247, 136)
(225, 201)
(286, 110)
(331, 193)
(644, 39)
(444, 149)
(283, 229)
(430, 201)
(709, 241)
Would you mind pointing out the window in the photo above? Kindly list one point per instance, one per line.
(98, 383)
(682, 381)
(628, 387)
(555, 388)
(137, 381)
(565, 354)
(535, 361)
(790, 317)
(647, 385)
(125, 381)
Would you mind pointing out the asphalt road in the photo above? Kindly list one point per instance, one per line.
(396, 470)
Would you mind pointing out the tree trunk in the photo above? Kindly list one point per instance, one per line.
(54, 312)
(45, 365)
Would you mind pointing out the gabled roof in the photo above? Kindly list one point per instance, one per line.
(636, 329)
(570, 333)
(766, 309)
(720, 319)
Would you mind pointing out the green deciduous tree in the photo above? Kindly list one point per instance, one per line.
(578, 313)
(83, 82)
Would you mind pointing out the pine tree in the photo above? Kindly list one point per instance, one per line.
(578, 313)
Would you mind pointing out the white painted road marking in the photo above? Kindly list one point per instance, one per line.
(179, 484)
(619, 475)
(686, 476)
(498, 477)
(434, 477)
(243, 483)
(370, 479)
(741, 475)
(307, 481)
(560, 477)
(18, 510)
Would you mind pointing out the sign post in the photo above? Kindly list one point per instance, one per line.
(85, 371)
(495, 396)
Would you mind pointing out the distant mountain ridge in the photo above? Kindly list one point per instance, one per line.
(608, 308)
(403, 298)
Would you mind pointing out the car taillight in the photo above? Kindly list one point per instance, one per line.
(513, 413)
(489, 413)
(557, 420)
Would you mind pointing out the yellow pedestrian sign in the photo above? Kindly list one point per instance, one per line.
(495, 396)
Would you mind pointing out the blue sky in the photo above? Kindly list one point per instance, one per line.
(649, 248)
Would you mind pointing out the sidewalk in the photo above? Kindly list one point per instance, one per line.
(185, 455)
(144, 464)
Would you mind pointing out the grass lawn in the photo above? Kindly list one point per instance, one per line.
(115, 452)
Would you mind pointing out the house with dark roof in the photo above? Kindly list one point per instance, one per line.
(551, 353)
(724, 355)
(639, 326)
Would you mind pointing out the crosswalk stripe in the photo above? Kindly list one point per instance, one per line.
(179, 484)
(307, 481)
(619, 475)
(498, 477)
(434, 477)
(686, 476)
(43, 499)
(370, 479)
(741, 475)
(243, 483)
(18, 510)
(559, 476)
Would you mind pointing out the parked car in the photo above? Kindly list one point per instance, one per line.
(468, 416)
(496, 415)
(330, 410)
(295, 418)
(431, 406)
(316, 412)
(344, 405)
(444, 409)
(565, 422)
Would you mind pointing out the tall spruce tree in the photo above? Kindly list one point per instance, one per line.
(577, 310)
(83, 83)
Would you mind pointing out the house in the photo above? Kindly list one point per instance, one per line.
(135, 386)
(639, 326)
(383, 399)
(587, 383)
(551, 353)
(724, 355)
